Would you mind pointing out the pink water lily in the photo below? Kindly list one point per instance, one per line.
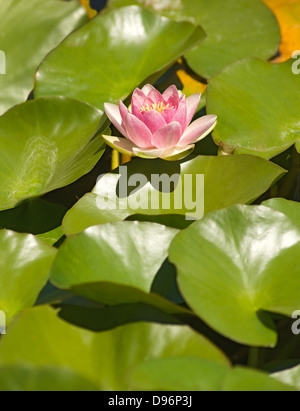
(158, 125)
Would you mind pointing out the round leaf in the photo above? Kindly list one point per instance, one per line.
(51, 379)
(290, 208)
(25, 263)
(254, 117)
(46, 144)
(26, 41)
(237, 264)
(121, 194)
(290, 377)
(235, 29)
(115, 263)
(186, 374)
(106, 359)
(243, 379)
(111, 55)
(179, 374)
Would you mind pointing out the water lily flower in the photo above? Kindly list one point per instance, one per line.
(158, 125)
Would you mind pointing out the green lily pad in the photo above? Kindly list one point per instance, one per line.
(179, 374)
(243, 379)
(52, 237)
(192, 374)
(236, 265)
(290, 377)
(254, 117)
(48, 379)
(235, 29)
(46, 144)
(227, 181)
(25, 263)
(115, 263)
(106, 359)
(290, 208)
(26, 41)
(114, 53)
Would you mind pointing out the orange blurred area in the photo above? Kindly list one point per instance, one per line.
(288, 15)
(190, 85)
(91, 12)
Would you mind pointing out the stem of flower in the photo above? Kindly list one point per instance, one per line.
(253, 357)
(125, 159)
(115, 160)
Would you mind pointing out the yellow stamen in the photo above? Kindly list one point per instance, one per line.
(160, 107)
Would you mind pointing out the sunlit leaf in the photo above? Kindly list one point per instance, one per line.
(42, 379)
(290, 208)
(236, 29)
(290, 376)
(186, 374)
(51, 237)
(106, 359)
(46, 144)
(125, 46)
(254, 117)
(227, 181)
(243, 379)
(29, 31)
(25, 263)
(115, 263)
(237, 264)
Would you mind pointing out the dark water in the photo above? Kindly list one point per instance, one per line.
(98, 4)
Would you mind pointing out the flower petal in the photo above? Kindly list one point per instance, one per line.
(155, 96)
(178, 153)
(123, 110)
(192, 104)
(123, 145)
(151, 153)
(153, 120)
(168, 114)
(181, 115)
(113, 113)
(137, 131)
(147, 89)
(139, 95)
(137, 101)
(198, 130)
(168, 136)
(126, 147)
(171, 96)
(210, 130)
(148, 102)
